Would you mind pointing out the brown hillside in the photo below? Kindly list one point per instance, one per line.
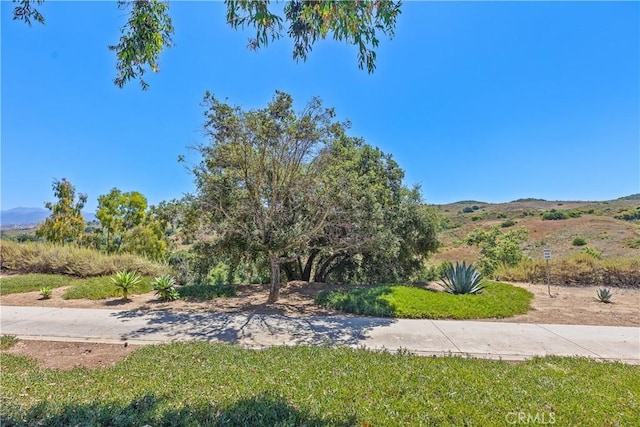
(596, 225)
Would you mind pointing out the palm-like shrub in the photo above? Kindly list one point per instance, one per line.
(462, 279)
(125, 280)
(165, 288)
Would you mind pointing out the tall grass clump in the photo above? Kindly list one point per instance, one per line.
(70, 260)
(581, 269)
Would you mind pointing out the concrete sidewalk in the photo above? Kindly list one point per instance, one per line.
(509, 341)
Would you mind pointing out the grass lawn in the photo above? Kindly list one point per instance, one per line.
(33, 282)
(199, 383)
(497, 300)
(92, 287)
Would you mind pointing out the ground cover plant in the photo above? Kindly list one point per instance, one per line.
(496, 300)
(33, 282)
(71, 260)
(200, 383)
(91, 287)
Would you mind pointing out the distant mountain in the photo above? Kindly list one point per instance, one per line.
(29, 217)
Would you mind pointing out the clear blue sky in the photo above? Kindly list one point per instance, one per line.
(486, 101)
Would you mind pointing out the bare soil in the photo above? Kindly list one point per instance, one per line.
(568, 305)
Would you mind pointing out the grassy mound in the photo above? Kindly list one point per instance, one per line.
(198, 384)
(71, 260)
(497, 300)
(94, 288)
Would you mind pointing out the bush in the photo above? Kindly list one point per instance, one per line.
(579, 241)
(508, 223)
(165, 288)
(554, 215)
(45, 292)
(467, 210)
(70, 260)
(629, 215)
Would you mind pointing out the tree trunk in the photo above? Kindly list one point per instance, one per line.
(306, 274)
(322, 271)
(274, 291)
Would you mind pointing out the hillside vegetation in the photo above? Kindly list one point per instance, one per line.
(595, 222)
(608, 232)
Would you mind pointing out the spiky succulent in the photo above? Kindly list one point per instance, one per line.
(165, 288)
(604, 295)
(125, 280)
(462, 279)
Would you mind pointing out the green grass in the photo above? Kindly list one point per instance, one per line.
(200, 383)
(33, 282)
(7, 341)
(92, 288)
(497, 300)
(95, 288)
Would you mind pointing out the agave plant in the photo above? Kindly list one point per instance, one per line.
(165, 288)
(604, 295)
(462, 279)
(125, 280)
(45, 292)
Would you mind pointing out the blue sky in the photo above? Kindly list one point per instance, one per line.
(489, 101)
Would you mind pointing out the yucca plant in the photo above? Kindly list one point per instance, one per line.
(165, 288)
(125, 280)
(604, 295)
(462, 279)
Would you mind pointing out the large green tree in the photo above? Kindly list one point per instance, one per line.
(294, 189)
(119, 213)
(149, 29)
(261, 181)
(66, 222)
(377, 229)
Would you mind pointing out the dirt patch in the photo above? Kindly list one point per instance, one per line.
(69, 355)
(570, 305)
(579, 306)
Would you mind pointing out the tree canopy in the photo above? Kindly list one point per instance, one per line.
(149, 29)
(295, 189)
(66, 222)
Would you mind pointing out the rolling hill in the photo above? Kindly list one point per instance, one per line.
(598, 223)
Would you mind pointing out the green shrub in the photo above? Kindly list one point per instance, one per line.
(165, 288)
(45, 292)
(207, 291)
(476, 218)
(462, 279)
(629, 215)
(508, 223)
(592, 252)
(467, 210)
(579, 241)
(554, 215)
(126, 280)
(70, 260)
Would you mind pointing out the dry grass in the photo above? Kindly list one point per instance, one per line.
(70, 260)
(578, 270)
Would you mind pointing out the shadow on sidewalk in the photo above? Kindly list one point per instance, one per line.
(252, 328)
